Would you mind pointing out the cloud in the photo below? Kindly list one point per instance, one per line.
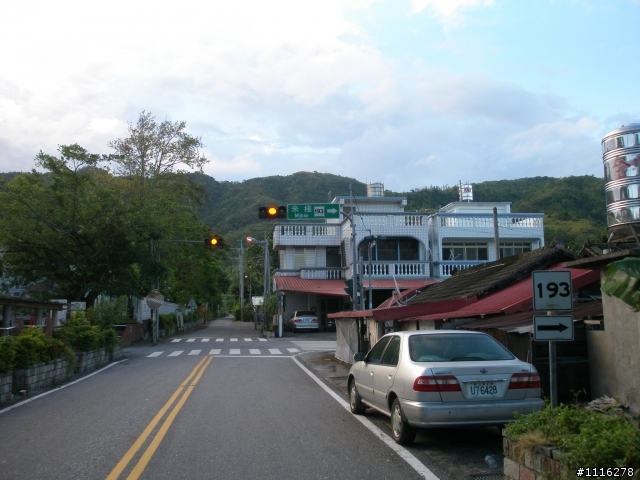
(449, 12)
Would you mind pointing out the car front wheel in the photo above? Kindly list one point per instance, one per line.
(403, 433)
(357, 407)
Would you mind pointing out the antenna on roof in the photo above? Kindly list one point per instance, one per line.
(397, 291)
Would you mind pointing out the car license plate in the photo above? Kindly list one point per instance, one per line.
(484, 389)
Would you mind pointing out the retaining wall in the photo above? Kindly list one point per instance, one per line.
(6, 386)
(541, 463)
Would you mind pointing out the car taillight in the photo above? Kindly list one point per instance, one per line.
(444, 383)
(297, 320)
(525, 380)
(315, 320)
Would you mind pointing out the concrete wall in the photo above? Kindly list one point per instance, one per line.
(614, 354)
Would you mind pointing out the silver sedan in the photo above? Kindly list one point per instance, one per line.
(441, 378)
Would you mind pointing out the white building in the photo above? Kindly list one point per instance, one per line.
(409, 249)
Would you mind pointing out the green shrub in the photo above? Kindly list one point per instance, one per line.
(79, 334)
(56, 348)
(586, 438)
(107, 313)
(30, 348)
(7, 353)
(167, 321)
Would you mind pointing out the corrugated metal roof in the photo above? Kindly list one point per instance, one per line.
(393, 300)
(486, 278)
(336, 287)
(515, 298)
(319, 287)
(522, 322)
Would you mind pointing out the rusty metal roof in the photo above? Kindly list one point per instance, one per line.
(484, 279)
(522, 322)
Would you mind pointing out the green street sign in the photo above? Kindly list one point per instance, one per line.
(312, 211)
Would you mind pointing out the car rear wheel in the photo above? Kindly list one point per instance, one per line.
(355, 402)
(403, 433)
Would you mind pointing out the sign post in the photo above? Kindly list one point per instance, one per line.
(552, 291)
(312, 211)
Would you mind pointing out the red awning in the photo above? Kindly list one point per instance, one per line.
(319, 287)
(336, 287)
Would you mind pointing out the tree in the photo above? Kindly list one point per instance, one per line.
(69, 226)
(623, 281)
(153, 149)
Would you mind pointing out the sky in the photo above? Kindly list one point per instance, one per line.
(410, 93)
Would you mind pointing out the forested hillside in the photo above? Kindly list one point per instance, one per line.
(574, 207)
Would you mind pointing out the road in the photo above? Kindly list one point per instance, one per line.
(218, 403)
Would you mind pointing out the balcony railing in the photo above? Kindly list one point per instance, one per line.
(306, 234)
(309, 273)
(411, 269)
(484, 220)
(446, 269)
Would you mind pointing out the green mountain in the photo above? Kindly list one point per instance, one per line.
(574, 207)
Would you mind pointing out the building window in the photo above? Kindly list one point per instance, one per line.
(513, 248)
(304, 257)
(459, 252)
(333, 257)
(391, 250)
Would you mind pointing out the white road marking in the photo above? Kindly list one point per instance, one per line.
(262, 339)
(24, 402)
(247, 339)
(234, 339)
(315, 345)
(176, 340)
(176, 353)
(189, 340)
(155, 354)
(275, 351)
(234, 351)
(219, 339)
(402, 452)
(215, 351)
(254, 351)
(195, 352)
(205, 339)
(293, 350)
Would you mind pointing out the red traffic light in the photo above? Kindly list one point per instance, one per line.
(213, 242)
(272, 212)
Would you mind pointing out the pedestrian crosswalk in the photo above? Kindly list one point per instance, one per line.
(315, 345)
(204, 340)
(229, 351)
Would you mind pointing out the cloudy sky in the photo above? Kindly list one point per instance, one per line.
(411, 93)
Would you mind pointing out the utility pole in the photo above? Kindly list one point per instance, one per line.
(241, 272)
(355, 252)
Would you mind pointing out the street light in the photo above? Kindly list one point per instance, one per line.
(265, 246)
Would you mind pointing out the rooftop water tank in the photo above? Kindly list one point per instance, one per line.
(621, 159)
(375, 189)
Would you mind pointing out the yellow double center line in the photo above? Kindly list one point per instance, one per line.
(146, 456)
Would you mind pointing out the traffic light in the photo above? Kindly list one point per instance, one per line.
(272, 212)
(349, 287)
(213, 242)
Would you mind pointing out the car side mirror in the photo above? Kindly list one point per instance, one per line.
(358, 357)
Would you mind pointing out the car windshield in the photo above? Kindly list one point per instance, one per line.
(305, 314)
(456, 348)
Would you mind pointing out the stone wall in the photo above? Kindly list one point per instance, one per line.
(45, 374)
(36, 377)
(541, 463)
(6, 386)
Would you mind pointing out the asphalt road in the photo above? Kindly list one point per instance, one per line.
(226, 404)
